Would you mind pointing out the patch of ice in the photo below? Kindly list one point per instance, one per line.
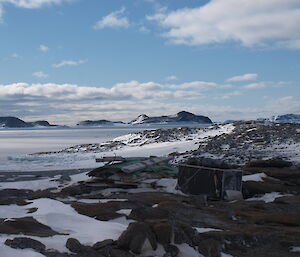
(295, 249)
(186, 250)
(124, 211)
(43, 184)
(101, 200)
(204, 230)
(122, 220)
(268, 197)
(168, 185)
(226, 255)
(255, 177)
(34, 185)
(127, 138)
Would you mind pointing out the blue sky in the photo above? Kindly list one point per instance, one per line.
(69, 60)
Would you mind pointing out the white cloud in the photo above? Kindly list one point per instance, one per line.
(16, 56)
(43, 48)
(264, 22)
(113, 20)
(170, 78)
(245, 77)
(29, 4)
(69, 63)
(195, 85)
(229, 95)
(32, 4)
(144, 29)
(40, 74)
(257, 85)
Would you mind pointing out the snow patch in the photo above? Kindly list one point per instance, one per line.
(268, 197)
(255, 177)
(204, 230)
(295, 249)
(124, 211)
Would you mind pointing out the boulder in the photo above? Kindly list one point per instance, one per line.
(210, 248)
(135, 236)
(171, 250)
(24, 243)
(75, 246)
(102, 244)
(163, 232)
(150, 213)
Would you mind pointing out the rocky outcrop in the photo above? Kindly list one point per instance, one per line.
(13, 122)
(182, 116)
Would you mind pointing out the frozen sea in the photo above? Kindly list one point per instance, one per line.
(16, 144)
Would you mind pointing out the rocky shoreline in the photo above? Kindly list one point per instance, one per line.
(149, 216)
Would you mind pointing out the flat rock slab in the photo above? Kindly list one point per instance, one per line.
(26, 226)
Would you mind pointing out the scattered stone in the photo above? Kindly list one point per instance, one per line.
(102, 244)
(32, 210)
(75, 246)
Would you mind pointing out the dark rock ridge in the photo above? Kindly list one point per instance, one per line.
(182, 116)
(99, 123)
(13, 122)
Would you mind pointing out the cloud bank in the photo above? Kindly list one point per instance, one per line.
(69, 103)
(251, 23)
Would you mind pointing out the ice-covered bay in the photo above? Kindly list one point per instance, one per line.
(17, 144)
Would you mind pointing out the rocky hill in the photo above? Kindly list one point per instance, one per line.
(13, 122)
(182, 116)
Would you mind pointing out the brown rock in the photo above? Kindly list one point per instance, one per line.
(26, 226)
(135, 236)
(24, 243)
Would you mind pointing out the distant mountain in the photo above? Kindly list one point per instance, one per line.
(179, 117)
(286, 118)
(13, 122)
(96, 123)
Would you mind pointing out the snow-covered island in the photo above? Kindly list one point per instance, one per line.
(64, 214)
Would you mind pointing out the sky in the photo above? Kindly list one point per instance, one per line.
(70, 60)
